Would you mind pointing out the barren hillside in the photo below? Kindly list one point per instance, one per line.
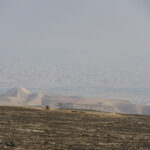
(40, 129)
(23, 97)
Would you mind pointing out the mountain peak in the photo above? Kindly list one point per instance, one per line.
(17, 92)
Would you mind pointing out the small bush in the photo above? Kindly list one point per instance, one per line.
(11, 144)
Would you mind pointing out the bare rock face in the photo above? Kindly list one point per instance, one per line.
(23, 97)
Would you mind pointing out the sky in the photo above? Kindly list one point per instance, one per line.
(87, 33)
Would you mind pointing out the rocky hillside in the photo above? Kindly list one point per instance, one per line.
(40, 129)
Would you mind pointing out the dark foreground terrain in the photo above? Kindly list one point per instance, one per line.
(39, 129)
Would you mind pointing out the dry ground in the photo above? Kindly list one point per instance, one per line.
(38, 129)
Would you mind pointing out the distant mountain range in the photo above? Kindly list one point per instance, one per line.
(48, 76)
(23, 97)
(113, 83)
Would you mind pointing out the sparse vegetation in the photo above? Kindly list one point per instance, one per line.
(40, 129)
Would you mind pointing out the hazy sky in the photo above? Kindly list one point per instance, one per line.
(82, 32)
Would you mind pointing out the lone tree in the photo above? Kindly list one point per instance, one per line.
(47, 107)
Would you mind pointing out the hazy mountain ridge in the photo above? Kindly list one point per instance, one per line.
(46, 76)
(23, 97)
(102, 82)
